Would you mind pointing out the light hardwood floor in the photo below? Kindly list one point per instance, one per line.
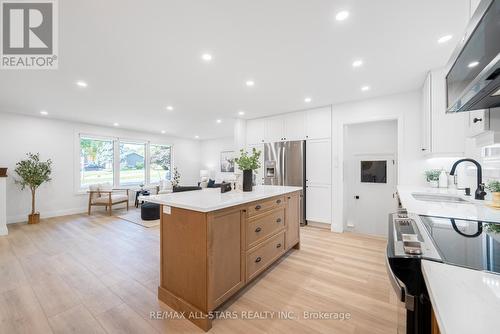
(99, 274)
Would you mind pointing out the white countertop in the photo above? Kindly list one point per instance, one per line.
(464, 300)
(211, 199)
(473, 209)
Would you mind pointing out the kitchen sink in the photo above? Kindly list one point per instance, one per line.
(438, 198)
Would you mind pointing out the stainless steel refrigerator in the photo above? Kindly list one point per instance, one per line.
(285, 165)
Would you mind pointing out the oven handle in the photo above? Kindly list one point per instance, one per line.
(396, 285)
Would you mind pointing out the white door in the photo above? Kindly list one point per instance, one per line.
(274, 129)
(319, 161)
(319, 203)
(319, 123)
(294, 126)
(255, 131)
(370, 189)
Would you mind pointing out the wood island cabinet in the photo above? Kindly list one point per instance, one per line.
(206, 257)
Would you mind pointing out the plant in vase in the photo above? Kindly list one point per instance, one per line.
(33, 173)
(432, 176)
(494, 187)
(176, 178)
(247, 164)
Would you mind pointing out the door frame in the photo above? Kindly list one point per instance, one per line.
(339, 178)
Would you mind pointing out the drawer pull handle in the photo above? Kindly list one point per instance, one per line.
(257, 260)
(278, 201)
(258, 229)
(278, 245)
(278, 220)
(258, 207)
(289, 197)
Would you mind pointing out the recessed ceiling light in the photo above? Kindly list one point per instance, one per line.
(116, 124)
(307, 100)
(445, 39)
(473, 64)
(81, 83)
(196, 137)
(44, 113)
(206, 57)
(250, 83)
(170, 108)
(163, 131)
(219, 121)
(365, 88)
(342, 15)
(357, 63)
(241, 113)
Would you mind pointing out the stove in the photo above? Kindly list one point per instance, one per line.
(466, 243)
(461, 242)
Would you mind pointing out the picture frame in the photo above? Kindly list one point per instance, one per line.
(227, 161)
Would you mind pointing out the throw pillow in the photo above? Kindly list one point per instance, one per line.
(211, 183)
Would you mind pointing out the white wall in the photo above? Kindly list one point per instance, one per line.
(210, 156)
(57, 140)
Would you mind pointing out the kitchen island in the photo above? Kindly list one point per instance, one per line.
(212, 244)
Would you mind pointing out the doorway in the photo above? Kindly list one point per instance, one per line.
(370, 175)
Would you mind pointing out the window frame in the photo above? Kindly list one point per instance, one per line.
(80, 189)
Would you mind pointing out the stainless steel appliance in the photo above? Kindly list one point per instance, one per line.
(473, 81)
(408, 243)
(284, 165)
(465, 243)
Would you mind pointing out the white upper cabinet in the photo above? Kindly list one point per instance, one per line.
(256, 131)
(274, 129)
(301, 125)
(319, 123)
(294, 126)
(443, 134)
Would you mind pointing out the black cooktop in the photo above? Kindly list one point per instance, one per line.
(466, 243)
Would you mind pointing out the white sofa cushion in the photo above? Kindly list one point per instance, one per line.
(114, 199)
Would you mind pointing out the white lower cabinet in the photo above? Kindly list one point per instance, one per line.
(319, 203)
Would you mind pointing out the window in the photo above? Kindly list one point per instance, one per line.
(96, 161)
(160, 163)
(374, 171)
(132, 163)
(121, 162)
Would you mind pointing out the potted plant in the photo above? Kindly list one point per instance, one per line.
(33, 173)
(494, 187)
(248, 163)
(432, 176)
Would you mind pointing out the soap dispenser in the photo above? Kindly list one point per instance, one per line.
(443, 179)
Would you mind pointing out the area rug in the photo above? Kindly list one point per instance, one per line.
(134, 216)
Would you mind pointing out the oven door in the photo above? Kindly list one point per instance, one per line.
(406, 306)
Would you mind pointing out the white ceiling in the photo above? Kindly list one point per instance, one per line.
(140, 56)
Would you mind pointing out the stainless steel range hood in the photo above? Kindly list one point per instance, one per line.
(473, 81)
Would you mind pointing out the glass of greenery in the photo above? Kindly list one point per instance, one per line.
(432, 176)
(32, 174)
(248, 163)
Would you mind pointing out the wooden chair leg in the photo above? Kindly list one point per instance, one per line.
(127, 205)
(90, 204)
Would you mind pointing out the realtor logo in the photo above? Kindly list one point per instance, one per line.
(29, 34)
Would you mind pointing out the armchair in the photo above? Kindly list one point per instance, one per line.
(105, 195)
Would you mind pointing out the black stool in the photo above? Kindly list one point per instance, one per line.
(150, 211)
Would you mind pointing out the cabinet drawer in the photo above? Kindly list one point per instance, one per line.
(265, 205)
(264, 225)
(263, 255)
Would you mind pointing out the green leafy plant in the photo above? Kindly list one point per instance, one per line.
(432, 174)
(493, 186)
(248, 162)
(493, 228)
(176, 178)
(33, 173)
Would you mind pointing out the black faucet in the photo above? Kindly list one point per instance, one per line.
(480, 193)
